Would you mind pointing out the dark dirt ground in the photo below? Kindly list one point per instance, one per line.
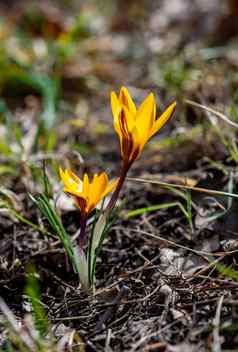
(159, 284)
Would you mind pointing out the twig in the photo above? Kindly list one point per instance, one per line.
(108, 339)
(175, 185)
(217, 113)
(144, 298)
(152, 335)
(172, 243)
(216, 347)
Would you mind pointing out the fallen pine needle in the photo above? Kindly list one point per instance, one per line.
(217, 113)
(196, 189)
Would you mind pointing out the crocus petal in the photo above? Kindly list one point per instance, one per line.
(125, 99)
(85, 184)
(81, 203)
(145, 118)
(69, 181)
(98, 187)
(137, 146)
(126, 138)
(75, 180)
(160, 122)
(116, 107)
(110, 187)
(73, 176)
(63, 176)
(103, 178)
(128, 120)
(75, 192)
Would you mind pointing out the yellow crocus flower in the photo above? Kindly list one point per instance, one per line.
(85, 193)
(136, 126)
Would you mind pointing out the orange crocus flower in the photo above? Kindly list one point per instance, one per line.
(136, 126)
(85, 193)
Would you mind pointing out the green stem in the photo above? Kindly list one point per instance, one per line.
(82, 234)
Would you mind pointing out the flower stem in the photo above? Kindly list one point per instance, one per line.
(117, 190)
(82, 234)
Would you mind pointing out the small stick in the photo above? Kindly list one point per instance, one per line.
(216, 347)
(197, 189)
